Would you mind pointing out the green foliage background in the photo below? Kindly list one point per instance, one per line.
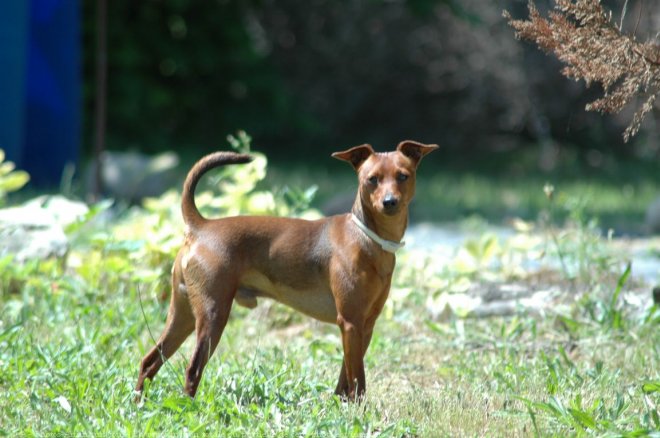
(178, 71)
(320, 75)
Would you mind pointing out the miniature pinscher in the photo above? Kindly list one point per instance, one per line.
(336, 269)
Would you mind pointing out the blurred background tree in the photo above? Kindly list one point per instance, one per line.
(322, 75)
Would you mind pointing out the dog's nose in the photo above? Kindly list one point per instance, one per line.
(390, 202)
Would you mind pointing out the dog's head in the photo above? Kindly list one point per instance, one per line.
(387, 179)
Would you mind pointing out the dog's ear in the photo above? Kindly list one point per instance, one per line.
(415, 150)
(355, 155)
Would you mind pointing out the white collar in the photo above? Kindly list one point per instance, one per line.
(387, 245)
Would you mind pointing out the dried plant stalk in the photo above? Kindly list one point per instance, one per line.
(582, 35)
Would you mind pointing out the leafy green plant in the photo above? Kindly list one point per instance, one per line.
(484, 257)
(600, 416)
(11, 179)
(577, 244)
(612, 315)
(477, 254)
(240, 194)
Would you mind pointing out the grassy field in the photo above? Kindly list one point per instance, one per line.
(72, 333)
(70, 349)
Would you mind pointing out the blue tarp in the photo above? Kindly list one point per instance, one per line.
(40, 85)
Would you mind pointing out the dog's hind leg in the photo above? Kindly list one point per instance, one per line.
(211, 319)
(180, 323)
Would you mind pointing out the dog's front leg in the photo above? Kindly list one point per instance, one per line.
(342, 384)
(342, 388)
(353, 383)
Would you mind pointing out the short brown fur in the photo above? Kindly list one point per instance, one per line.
(327, 268)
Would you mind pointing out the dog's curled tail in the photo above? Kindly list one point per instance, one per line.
(191, 215)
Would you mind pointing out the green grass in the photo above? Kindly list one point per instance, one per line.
(70, 350)
(73, 332)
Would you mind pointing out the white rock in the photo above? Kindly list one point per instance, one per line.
(133, 176)
(63, 210)
(35, 230)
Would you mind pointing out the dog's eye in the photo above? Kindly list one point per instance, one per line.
(401, 177)
(373, 180)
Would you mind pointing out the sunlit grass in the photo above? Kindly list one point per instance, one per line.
(72, 334)
(69, 360)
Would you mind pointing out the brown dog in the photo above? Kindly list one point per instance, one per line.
(337, 269)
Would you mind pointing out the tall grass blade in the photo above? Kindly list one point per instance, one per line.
(620, 283)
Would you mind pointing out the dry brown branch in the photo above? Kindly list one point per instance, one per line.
(582, 35)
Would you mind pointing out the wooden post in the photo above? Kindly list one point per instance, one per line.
(101, 100)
